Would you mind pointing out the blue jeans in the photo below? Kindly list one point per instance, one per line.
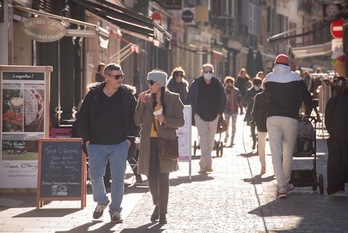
(98, 156)
(233, 116)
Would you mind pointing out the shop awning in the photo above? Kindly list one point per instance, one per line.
(312, 50)
(128, 21)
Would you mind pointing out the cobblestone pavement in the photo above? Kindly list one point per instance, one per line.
(233, 198)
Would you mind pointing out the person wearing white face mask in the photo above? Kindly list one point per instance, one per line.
(207, 99)
(249, 100)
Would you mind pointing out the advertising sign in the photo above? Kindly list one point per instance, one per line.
(25, 119)
(44, 29)
(185, 137)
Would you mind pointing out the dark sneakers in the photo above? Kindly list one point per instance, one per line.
(116, 218)
(98, 212)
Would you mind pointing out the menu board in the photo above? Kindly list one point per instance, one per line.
(61, 170)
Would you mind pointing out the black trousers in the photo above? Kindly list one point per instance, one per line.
(158, 182)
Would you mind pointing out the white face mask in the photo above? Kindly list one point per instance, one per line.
(208, 76)
(257, 88)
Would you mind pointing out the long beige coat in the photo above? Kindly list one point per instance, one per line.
(143, 117)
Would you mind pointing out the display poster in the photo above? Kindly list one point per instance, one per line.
(184, 135)
(25, 119)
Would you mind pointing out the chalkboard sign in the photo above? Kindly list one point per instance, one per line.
(61, 170)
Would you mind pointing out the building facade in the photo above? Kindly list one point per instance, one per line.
(145, 34)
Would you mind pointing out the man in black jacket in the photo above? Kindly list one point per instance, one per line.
(107, 128)
(207, 99)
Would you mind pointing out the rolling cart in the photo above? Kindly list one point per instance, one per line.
(306, 147)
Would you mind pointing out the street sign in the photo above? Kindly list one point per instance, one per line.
(156, 16)
(187, 16)
(336, 29)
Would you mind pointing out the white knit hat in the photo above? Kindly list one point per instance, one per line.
(158, 76)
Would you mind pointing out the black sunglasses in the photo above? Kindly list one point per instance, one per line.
(117, 76)
(151, 82)
(210, 71)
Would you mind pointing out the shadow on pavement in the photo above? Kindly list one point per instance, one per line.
(258, 179)
(148, 228)
(309, 208)
(18, 200)
(195, 178)
(249, 154)
(47, 213)
(85, 228)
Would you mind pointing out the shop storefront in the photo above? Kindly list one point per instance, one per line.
(95, 32)
(72, 39)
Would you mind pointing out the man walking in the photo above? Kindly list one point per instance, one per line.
(107, 128)
(285, 91)
(207, 99)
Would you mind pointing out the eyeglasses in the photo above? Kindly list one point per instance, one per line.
(117, 76)
(209, 71)
(151, 82)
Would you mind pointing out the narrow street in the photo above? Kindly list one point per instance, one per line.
(233, 198)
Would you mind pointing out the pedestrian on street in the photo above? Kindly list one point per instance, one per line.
(314, 84)
(208, 100)
(260, 75)
(107, 128)
(285, 91)
(337, 125)
(132, 156)
(243, 83)
(260, 117)
(99, 76)
(177, 83)
(233, 103)
(249, 101)
(159, 112)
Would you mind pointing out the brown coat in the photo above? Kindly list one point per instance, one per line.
(143, 117)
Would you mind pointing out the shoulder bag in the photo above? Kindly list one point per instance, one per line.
(168, 149)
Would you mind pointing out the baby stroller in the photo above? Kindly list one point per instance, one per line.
(306, 147)
(218, 145)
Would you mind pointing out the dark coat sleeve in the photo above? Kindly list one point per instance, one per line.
(329, 112)
(306, 97)
(84, 117)
(222, 98)
(132, 129)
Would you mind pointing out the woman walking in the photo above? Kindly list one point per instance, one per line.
(159, 112)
